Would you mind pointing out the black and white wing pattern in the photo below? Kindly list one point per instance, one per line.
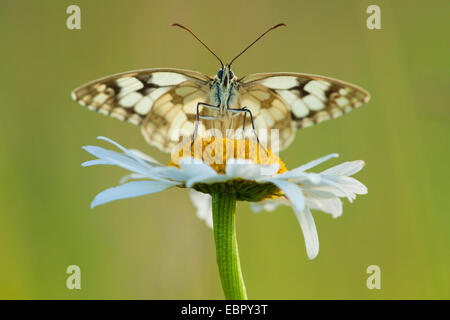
(161, 101)
(290, 101)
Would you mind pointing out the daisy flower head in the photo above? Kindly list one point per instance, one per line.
(220, 171)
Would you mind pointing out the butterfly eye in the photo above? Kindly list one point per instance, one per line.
(220, 74)
(231, 74)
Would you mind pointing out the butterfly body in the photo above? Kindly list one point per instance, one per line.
(223, 90)
(223, 96)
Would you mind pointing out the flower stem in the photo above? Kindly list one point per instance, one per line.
(227, 255)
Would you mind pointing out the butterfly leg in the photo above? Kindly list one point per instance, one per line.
(197, 118)
(245, 121)
(243, 125)
(246, 110)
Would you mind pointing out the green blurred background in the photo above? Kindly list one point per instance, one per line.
(154, 247)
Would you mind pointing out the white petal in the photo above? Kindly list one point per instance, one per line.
(270, 170)
(145, 157)
(247, 169)
(207, 179)
(118, 159)
(308, 226)
(307, 178)
(240, 168)
(197, 171)
(131, 176)
(292, 191)
(113, 143)
(258, 206)
(332, 206)
(126, 151)
(300, 170)
(345, 169)
(267, 205)
(323, 192)
(130, 190)
(333, 186)
(348, 184)
(316, 162)
(96, 162)
(189, 171)
(202, 203)
(171, 173)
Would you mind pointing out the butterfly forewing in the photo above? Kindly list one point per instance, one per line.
(161, 101)
(302, 98)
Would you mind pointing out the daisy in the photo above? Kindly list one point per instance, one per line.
(221, 171)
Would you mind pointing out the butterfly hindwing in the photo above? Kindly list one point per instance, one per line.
(173, 115)
(269, 112)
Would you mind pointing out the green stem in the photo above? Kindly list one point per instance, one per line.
(224, 207)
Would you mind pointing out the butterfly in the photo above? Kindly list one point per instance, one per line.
(165, 102)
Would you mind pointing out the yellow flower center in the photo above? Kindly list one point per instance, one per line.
(216, 151)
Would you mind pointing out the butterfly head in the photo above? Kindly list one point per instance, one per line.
(225, 76)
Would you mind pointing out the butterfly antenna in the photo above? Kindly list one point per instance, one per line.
(270, 29)
(188, 30)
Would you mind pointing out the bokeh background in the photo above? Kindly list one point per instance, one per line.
(154, 247)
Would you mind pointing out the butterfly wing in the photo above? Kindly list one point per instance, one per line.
(163, 101)
(160, 101)
(289, 101)
(269, 112)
